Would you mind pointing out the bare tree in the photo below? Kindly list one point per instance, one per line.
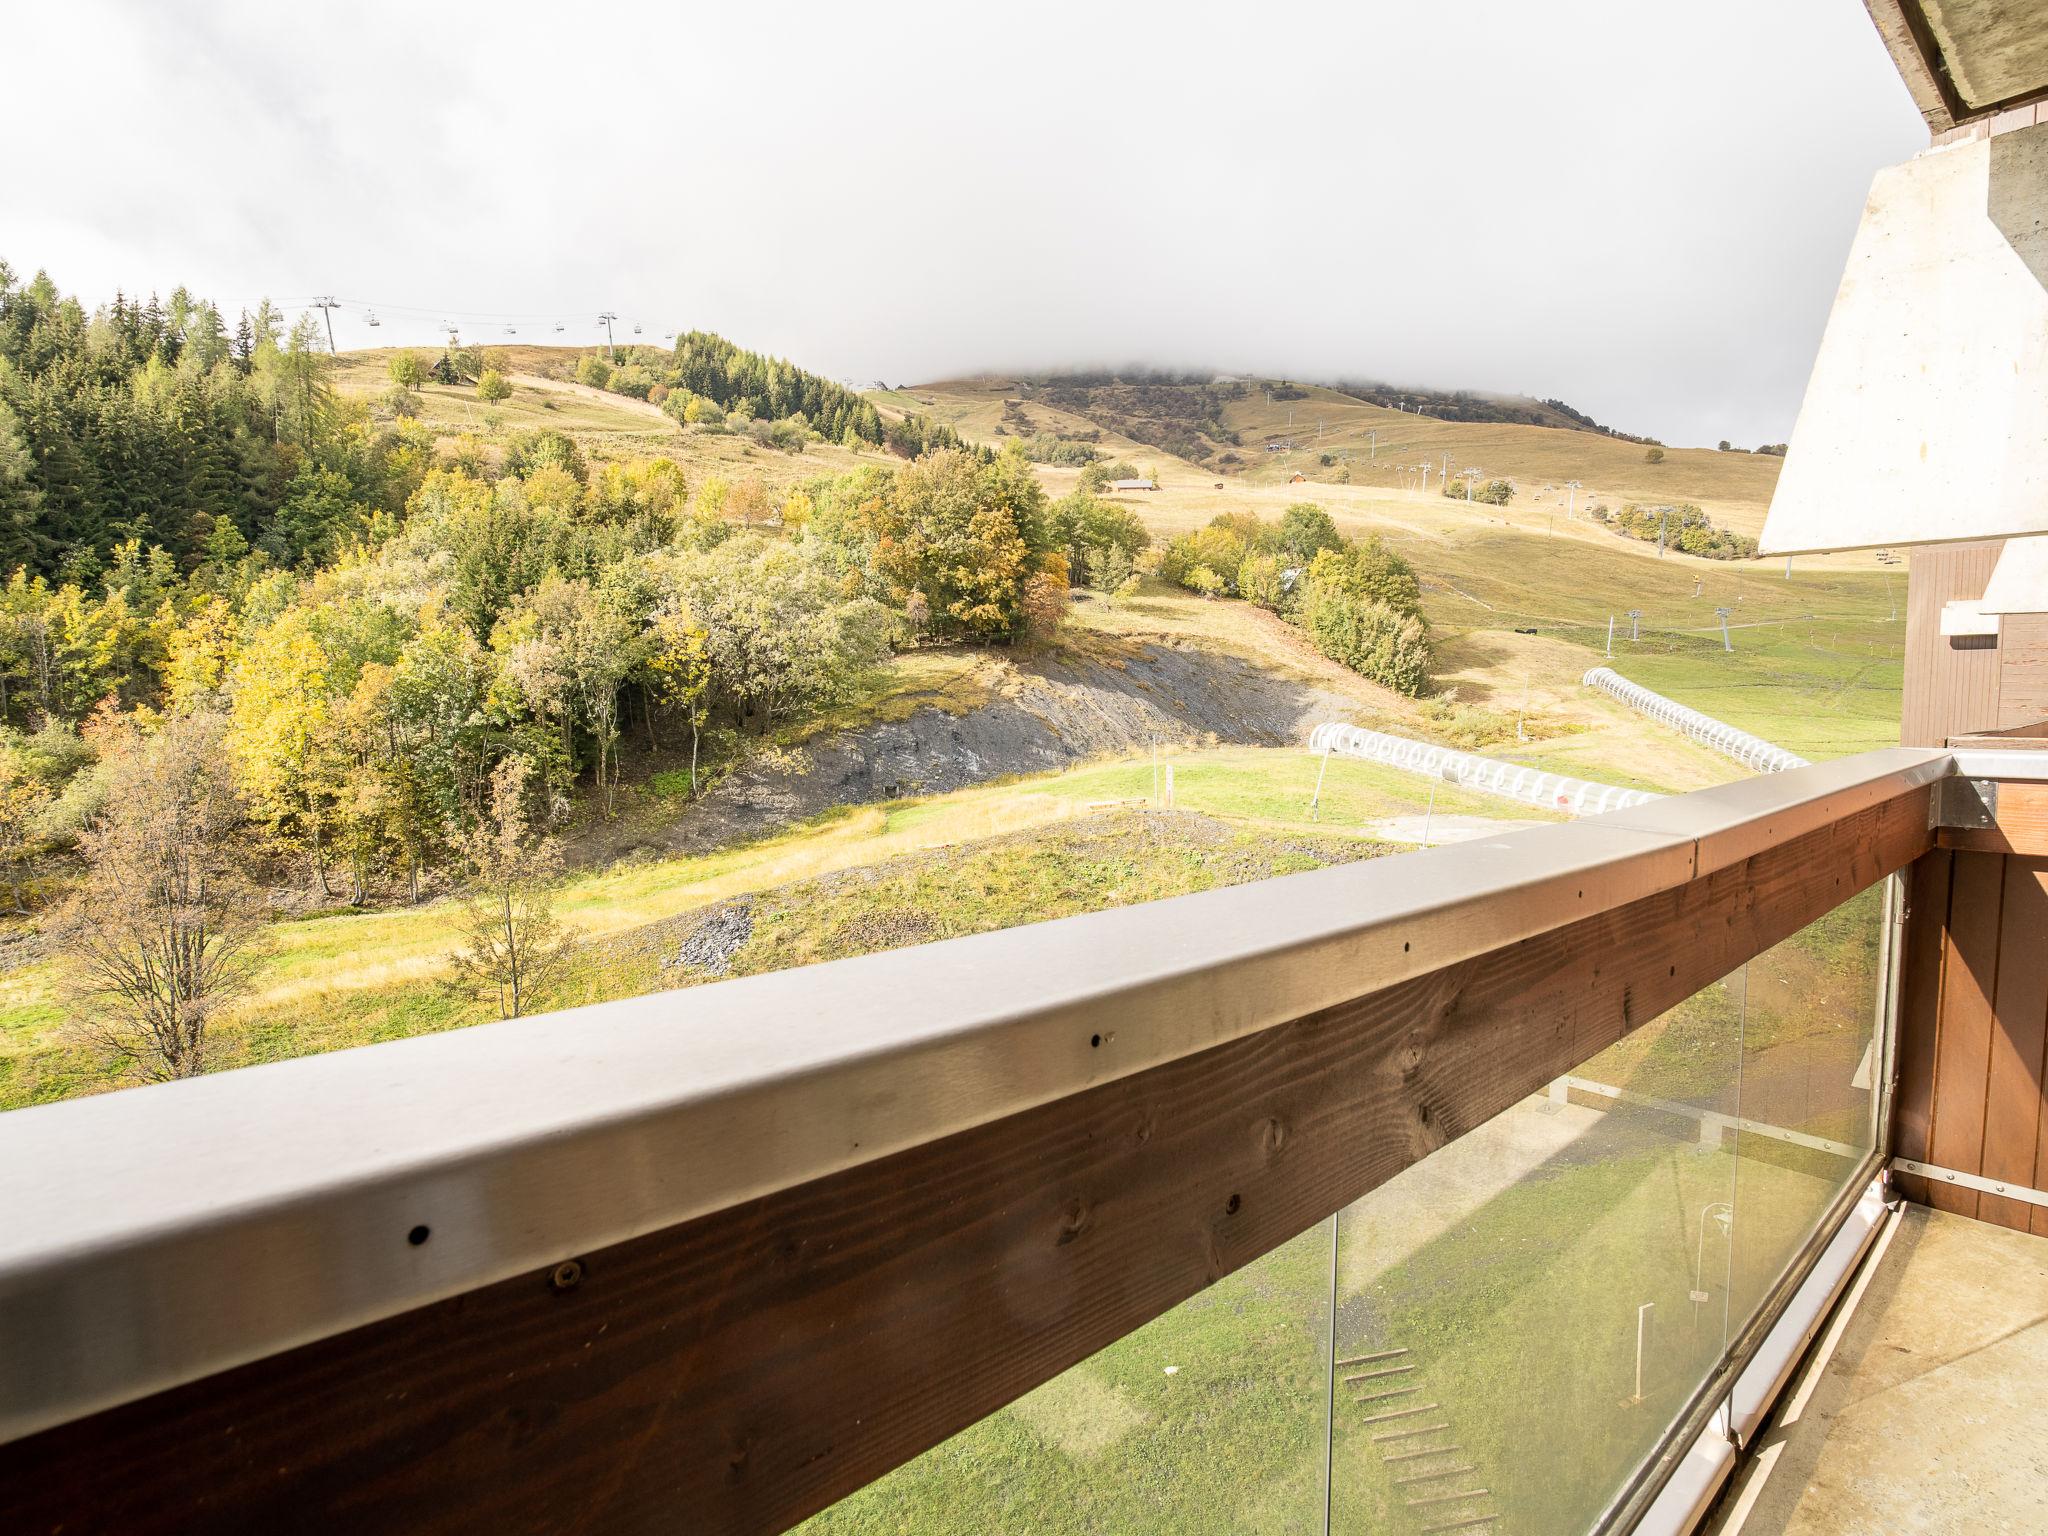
(159, 935)
(512, 939)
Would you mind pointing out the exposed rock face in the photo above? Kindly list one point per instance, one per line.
(1052, 715)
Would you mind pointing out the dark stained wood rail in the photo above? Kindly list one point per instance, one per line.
(746, 1369)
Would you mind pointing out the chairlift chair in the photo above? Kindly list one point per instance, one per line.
(636, 328)
(559, 326)
(371, 316)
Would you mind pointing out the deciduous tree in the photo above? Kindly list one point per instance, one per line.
(157, 941)
(512, 940)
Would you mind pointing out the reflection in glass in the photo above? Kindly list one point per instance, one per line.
(1522, 1315)
(1493, 1341)
(1209, 1419)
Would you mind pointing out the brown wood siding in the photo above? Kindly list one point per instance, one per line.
(740, 1371)
(1969, 980)
(1973, 1031)
(2023, 669)
(2019, 1024)
(1920, 1009)
(1951, 685)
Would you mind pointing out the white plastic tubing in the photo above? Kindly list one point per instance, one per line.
(1750, 751)
(1532, 786)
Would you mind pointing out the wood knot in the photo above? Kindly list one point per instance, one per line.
(1073, 1222)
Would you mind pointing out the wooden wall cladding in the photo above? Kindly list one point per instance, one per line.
(1956, 685)
(1973, 1031)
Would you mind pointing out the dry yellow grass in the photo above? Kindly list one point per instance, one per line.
(607, 426)
(1733, 488)
(974, 408)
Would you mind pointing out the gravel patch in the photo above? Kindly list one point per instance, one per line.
(718, 936)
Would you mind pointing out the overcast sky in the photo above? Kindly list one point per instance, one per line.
(1640, 207)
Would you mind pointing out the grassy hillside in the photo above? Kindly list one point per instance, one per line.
(1733, 488)
(608, 426)
(983, 858)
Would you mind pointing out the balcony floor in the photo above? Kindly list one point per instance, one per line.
(1929, 1415)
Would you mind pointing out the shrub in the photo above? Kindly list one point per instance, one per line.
(1653, 455)
(1683, 527)
(1260, 580)
(526, 452)
(1046, 448)
(491, 386)
(1220, 550)
(633, 380)
(594, 371)
(1306, 531)
(1372, 639)
(1362, 606)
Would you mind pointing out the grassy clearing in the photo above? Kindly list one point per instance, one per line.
(349, 979)
(1817, 665)
(1275, 788)
(1112, 859)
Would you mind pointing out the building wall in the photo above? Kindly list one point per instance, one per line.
(1957, 685)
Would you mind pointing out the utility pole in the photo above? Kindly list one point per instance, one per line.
(611, 346)
(1722, 615)
(1610, 637)
(1372, 439)
(330, 304)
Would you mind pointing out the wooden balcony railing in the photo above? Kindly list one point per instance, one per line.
(709, 1261)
